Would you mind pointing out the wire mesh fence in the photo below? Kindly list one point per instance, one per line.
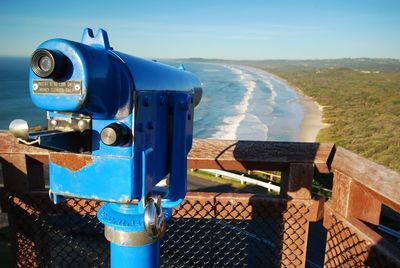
(65, 235)
(347, 248)
(203, 232)
(237, 235)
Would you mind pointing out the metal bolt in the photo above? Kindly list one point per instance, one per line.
(81, 125)
(35, 86)
(77, 87)
(53, 122)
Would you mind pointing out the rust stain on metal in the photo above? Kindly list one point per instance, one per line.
(127, 200)
(73, 162)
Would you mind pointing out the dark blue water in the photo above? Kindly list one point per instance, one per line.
(14, 95)
(238, 102)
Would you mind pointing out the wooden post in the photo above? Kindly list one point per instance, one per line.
(296, 183)
(350, 200)
(23, 173)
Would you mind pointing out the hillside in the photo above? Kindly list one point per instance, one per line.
(362, 106)
(387, 65)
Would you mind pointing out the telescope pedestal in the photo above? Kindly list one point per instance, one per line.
(135, 256)
(132, 245)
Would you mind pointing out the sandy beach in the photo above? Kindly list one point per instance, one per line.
(312, 122)
(313, 116)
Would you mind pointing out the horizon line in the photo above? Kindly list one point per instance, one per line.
(225, 59)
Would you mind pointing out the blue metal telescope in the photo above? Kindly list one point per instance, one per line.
(127, 124)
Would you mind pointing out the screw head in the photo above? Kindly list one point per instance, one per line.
(81, 125)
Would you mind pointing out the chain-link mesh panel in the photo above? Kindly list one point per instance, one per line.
(294, 235)
(345, 248)
(202, 233)
(235, 234)
(65, 235)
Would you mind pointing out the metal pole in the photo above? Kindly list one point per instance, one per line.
(147, 256)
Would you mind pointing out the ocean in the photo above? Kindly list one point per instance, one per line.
(238, 102)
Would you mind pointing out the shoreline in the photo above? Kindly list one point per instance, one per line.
(313, 118)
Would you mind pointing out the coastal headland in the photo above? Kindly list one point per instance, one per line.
(360, 97)
(360, 100)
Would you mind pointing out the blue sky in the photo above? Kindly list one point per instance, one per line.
(211, 29)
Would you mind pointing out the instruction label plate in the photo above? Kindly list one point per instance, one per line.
(53, 87)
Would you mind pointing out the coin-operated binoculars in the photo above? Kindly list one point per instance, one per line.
(119, 125)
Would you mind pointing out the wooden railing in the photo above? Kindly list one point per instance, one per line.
(360, 188)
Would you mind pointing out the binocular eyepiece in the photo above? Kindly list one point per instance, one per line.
(47, 63)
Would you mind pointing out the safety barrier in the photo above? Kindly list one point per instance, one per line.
(220, 229)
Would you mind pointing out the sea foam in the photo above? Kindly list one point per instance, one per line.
(242, 124)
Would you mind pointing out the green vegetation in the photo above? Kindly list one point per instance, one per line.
(362, 106)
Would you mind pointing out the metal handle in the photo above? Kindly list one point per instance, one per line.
(19, 128)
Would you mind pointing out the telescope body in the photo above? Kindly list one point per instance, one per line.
(128, 121)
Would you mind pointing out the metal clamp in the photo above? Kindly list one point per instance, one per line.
(154, 222)
(129, 239)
